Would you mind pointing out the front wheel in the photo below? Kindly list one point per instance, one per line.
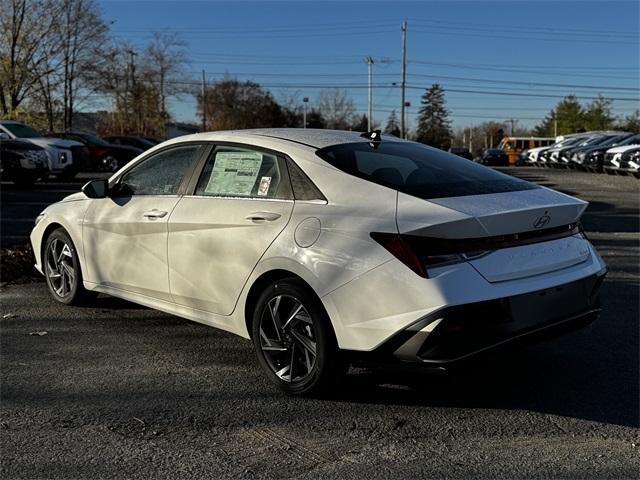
(62, 269)
(294, 340)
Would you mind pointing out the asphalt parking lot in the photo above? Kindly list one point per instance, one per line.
(118, 390)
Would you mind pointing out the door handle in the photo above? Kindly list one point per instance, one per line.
(263, 216)
(153, 214)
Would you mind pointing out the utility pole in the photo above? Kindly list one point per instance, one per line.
(370, 66)
(404, 79)
(305, 100)
(555, 126)
(513, 127)
(204, 102)
(406, 120)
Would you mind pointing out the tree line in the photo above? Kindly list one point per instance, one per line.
(58, 56)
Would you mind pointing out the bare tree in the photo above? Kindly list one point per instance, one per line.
(336, 107)
(27, 45)
(83, 32)
(164, 61)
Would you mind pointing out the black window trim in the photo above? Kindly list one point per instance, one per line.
(182, 188)
(283, 158)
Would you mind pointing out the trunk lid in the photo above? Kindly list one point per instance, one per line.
(501, 215)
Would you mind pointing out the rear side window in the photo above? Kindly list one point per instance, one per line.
(303, 187)
(242, 172)
(418, 170)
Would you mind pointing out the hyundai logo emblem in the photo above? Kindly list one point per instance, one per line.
(542, 221)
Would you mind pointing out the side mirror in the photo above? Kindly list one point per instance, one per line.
(4, 136)
(96, 188)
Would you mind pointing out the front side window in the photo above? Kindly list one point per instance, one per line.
(418, 170)
(160, 174)
(242, 172)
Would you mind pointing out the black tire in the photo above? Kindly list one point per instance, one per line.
(24, 180)
(63, 288)
(328, 366)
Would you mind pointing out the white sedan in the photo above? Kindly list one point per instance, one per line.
(327, 246)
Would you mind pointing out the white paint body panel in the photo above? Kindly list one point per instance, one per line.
(200, 261)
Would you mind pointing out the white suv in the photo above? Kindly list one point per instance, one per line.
(60, 153)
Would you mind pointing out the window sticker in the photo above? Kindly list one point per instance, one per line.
(263, 189)
(234, 173)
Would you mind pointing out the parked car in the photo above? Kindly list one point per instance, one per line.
(576, 157)
(152, 140)
(461, 152)
(137, 142)
(533, 155)
(495, 158)
(323, 247)
(63, 156)
(103, 156)
(22, 162)
(559, 156)
(630, 162)
(623, 160)
(600, 161)
(545, 157)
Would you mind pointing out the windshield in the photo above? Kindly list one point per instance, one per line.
(632, 140)
(95, 140)
(21, 131)
(418, 170)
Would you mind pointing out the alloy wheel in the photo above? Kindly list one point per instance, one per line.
(288, 338)
(60, 269)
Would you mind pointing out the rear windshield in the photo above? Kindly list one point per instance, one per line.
(418, 170)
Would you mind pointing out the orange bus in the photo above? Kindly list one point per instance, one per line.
(512, 146)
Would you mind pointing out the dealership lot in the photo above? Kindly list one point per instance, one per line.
(118, 390)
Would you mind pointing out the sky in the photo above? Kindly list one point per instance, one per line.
(496, 60)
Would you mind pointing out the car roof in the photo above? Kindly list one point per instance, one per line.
(311, 137)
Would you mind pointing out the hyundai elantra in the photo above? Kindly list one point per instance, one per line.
(326, 246)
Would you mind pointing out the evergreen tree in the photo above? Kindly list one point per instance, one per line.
(598, 114)
(434, 126)
(360, 124)
(631, 123)
(392, 127)
(570, 117)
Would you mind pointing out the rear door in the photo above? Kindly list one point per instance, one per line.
(125, 234)
(240, 203)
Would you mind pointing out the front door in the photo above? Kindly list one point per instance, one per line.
(241, 203)
(125, 234)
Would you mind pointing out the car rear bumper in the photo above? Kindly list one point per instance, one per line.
(455, 335)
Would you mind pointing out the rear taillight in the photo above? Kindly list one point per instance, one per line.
(400, 248)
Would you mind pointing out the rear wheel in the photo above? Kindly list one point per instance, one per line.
(62, 269)
(294, 340)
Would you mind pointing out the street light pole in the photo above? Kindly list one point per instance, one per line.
(305, 100)
(406, 120)
(370, 66)
(404, 78)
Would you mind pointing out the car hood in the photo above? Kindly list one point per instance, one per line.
(622, 148)
(48, 142)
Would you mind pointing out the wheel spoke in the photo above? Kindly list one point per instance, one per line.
(275, 316)
(294, 312)
(271, 345)
(69, 271)
(304, 342)
(292, 362)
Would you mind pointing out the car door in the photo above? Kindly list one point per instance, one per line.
(125, 234)
(241, 202)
